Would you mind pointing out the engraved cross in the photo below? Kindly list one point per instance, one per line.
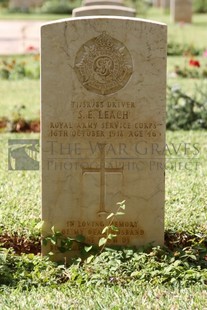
(102, 170)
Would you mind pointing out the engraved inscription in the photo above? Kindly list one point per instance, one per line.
(93, 230)
(113, 118)
(102, 170)
(103, 65)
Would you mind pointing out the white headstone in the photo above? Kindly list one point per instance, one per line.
(103, 2)
(103, 129)
(157, 3)
(181, 11)
(165, 4)
(95, 10)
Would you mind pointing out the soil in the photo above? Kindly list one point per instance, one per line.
(20, 244)
(173, 241)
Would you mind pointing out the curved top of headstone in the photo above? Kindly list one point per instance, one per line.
(113, 10)
(102, 2)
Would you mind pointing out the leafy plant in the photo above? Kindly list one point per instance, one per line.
(59, 6)
(13, 69)
(4, 3)
(187, 112)
(27, 270)
(63, 243)
(110, 231)
(182, 262)
(191, 72)
(18, 122)
(178, 49)
(200, 6)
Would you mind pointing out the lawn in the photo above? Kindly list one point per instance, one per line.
(169, 277)
(23, 97)
(134, 296)
(194, 34)
(186, 194)
(177, 276)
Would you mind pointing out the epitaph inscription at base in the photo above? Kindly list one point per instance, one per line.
(103, 129)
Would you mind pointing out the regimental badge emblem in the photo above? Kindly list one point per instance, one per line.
(103, 65)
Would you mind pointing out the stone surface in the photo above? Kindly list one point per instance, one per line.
(103, 2)
(103, 128)
(181, 11)
(156, 3)
(165, 4)
(96, 10)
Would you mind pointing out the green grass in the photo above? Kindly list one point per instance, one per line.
(186, 196)
(106, 298)
(6, 15)
(15, 94)
(167, 279)
(194, 33)
(19, 193)
(171, 275)
(186, 185)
